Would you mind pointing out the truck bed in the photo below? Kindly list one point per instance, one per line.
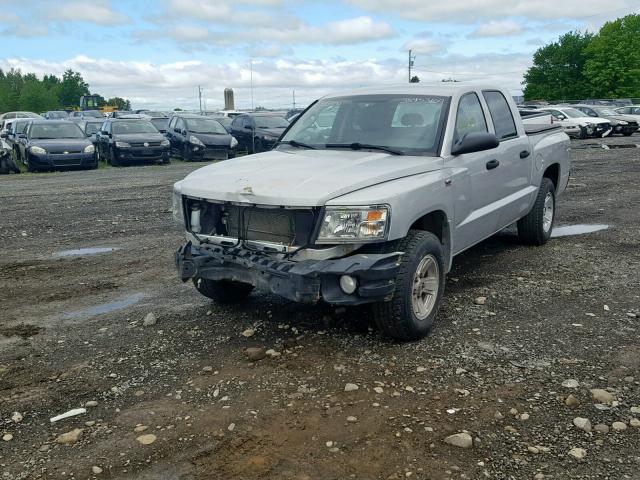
(538, 128)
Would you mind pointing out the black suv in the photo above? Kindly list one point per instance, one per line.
(258, 132)
(195, 137)
(122, 141)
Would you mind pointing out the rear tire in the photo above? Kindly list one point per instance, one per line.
(223, 291)
(627, 134)
(536, 227)
(419, 287)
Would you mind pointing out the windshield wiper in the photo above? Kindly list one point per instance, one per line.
(365, 146)
(295, 143)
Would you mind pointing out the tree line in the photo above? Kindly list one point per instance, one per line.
(588, 65)
(27, 92)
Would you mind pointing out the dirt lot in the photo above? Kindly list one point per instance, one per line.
(72, 331)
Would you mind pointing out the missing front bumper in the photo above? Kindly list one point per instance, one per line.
(308, 281)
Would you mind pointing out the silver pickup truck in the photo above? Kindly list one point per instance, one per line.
(367, 198)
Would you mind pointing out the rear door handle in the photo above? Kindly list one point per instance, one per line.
(491, 164)
(525, 153)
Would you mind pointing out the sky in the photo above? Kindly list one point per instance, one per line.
(156, 53)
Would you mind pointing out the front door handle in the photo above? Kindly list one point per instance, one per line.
(525, 153)
(491, 164)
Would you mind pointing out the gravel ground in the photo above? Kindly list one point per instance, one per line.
(173, 395)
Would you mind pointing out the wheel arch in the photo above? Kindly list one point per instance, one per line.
(552, 172)
(436, 222)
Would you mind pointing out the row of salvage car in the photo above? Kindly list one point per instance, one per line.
(589, 121)
(46, 144)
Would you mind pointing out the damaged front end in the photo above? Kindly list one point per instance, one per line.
(272, 248)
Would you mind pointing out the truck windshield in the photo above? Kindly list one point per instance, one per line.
(411, 124)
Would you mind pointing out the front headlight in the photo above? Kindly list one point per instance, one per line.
(122, 145)
(38, 150)
(176, 207)
(89, 149)
(269, 137)
(165, 143)
(354, 224)
(196, 141)
(234, 142)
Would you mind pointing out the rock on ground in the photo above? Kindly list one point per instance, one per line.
(602, 396)
(69, 438)
(147, 439)
(578, 453)
(462, 440)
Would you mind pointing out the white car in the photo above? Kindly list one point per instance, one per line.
(630, 111)
(576, 124)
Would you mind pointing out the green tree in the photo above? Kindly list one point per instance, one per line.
(414, 79)
(557, 72)
(613, 59)
(120, 103)
(72, 88)
(35, 97)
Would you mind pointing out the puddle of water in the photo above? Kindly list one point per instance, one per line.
(106, 307)
(568, 230)
(83, 251)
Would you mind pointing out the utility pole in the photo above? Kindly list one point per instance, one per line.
(251, 82)
(411, 59)
(200, 97)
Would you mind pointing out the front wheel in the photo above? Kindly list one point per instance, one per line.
(536, 227)
(113, 159)
(223, 291)
(419, 287)
(187, 154)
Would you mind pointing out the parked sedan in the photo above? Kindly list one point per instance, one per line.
(258, 132)
(622, 124)
(195, 137)
(50, 144)
(630, 111)
(86, 114)
(122, 141)
(56, 115)
(576, 124)
(11, 115)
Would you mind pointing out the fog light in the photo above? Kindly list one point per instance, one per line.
(348, 284)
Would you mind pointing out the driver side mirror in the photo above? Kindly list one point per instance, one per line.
(475, 142)
(177, 130)
(22, 135)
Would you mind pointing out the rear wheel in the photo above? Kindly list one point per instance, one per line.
(223, 291)
(627, 134)
(419, 287)
(536, 227)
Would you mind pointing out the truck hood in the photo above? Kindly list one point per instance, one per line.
(300, 178)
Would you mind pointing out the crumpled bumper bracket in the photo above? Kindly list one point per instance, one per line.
(308, 281)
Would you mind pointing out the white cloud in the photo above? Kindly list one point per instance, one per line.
(454, 11)
(498, 28)
(99, 12)
(422, 45)
(174, 84)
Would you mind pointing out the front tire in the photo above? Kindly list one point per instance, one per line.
(187, 155)
(536, 227)
(113, 159)
(223, 291)
(419, 287)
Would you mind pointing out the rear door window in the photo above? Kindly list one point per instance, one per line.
(469, 118)
(503, 122)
